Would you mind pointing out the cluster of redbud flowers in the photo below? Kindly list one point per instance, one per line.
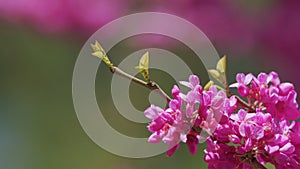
(256, 127)
(240, 133)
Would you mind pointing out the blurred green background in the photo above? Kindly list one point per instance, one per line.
(38, 124)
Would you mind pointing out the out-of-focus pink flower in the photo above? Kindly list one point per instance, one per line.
(63, 15)
(228, 24)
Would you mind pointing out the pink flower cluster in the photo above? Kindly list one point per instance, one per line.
(187, 113)
(80, 16)
(239, 134)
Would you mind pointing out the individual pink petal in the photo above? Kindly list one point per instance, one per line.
(174, 104)
(287, 148)
(175, 91)
(171, 150)
(242, 114)
(281, 158)
(240, 78)
(154, 138)
(248, 78)
(243, 90)
(285, 88)
(192, 143)
(257, 131)
(248, 144)
(263, 78)
(234, 85)
(274, 78)
(153, 112)
(156, 124)
(189, 110)
(194, 80)
(234, 139)
(187, 84)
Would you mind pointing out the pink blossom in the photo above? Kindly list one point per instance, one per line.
(259, 133)
(278, 98)
(188, 112)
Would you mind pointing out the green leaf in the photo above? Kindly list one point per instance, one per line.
(269, 166)
(214, 73)
(220, 72)
(221, 65)
(99, 52)
(143, 66)
(208, 85)
(96, 46)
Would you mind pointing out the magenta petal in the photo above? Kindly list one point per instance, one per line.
(175, 91)
(258, 132)
(274, 78)
(234, 139)
(243, 90)
(192, 143)
(234, 85)
(156, 124)
(287, 148)
(242, 129)
(191, 97)
(240, 78)
(248, 79)
(153, 112)
(172, 150)
(285, 88)
(206, 99)
(271, 149)
(232, 101)
(189, 110)
(281, 158)
(248, 145)
(194, 80)
(242, 114)
(154, 138)
(187, 84)
(174, 105)
(263, 78)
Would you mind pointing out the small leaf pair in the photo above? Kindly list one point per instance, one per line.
(99, 52)
(143, 66)
(220, 72)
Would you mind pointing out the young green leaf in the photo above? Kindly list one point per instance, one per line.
(99, 52)
(96, 46)
(208, 85)
(221, 65)
(143, 66)
(215, 74)
(220, 72)
(269, 166)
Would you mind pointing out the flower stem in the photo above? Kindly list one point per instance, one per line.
(244, 104)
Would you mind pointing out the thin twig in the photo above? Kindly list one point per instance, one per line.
(244, 104)
(153, 86)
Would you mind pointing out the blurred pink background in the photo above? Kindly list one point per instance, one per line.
(40, 41)
(268, 28)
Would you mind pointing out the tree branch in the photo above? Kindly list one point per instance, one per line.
(153, 86)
